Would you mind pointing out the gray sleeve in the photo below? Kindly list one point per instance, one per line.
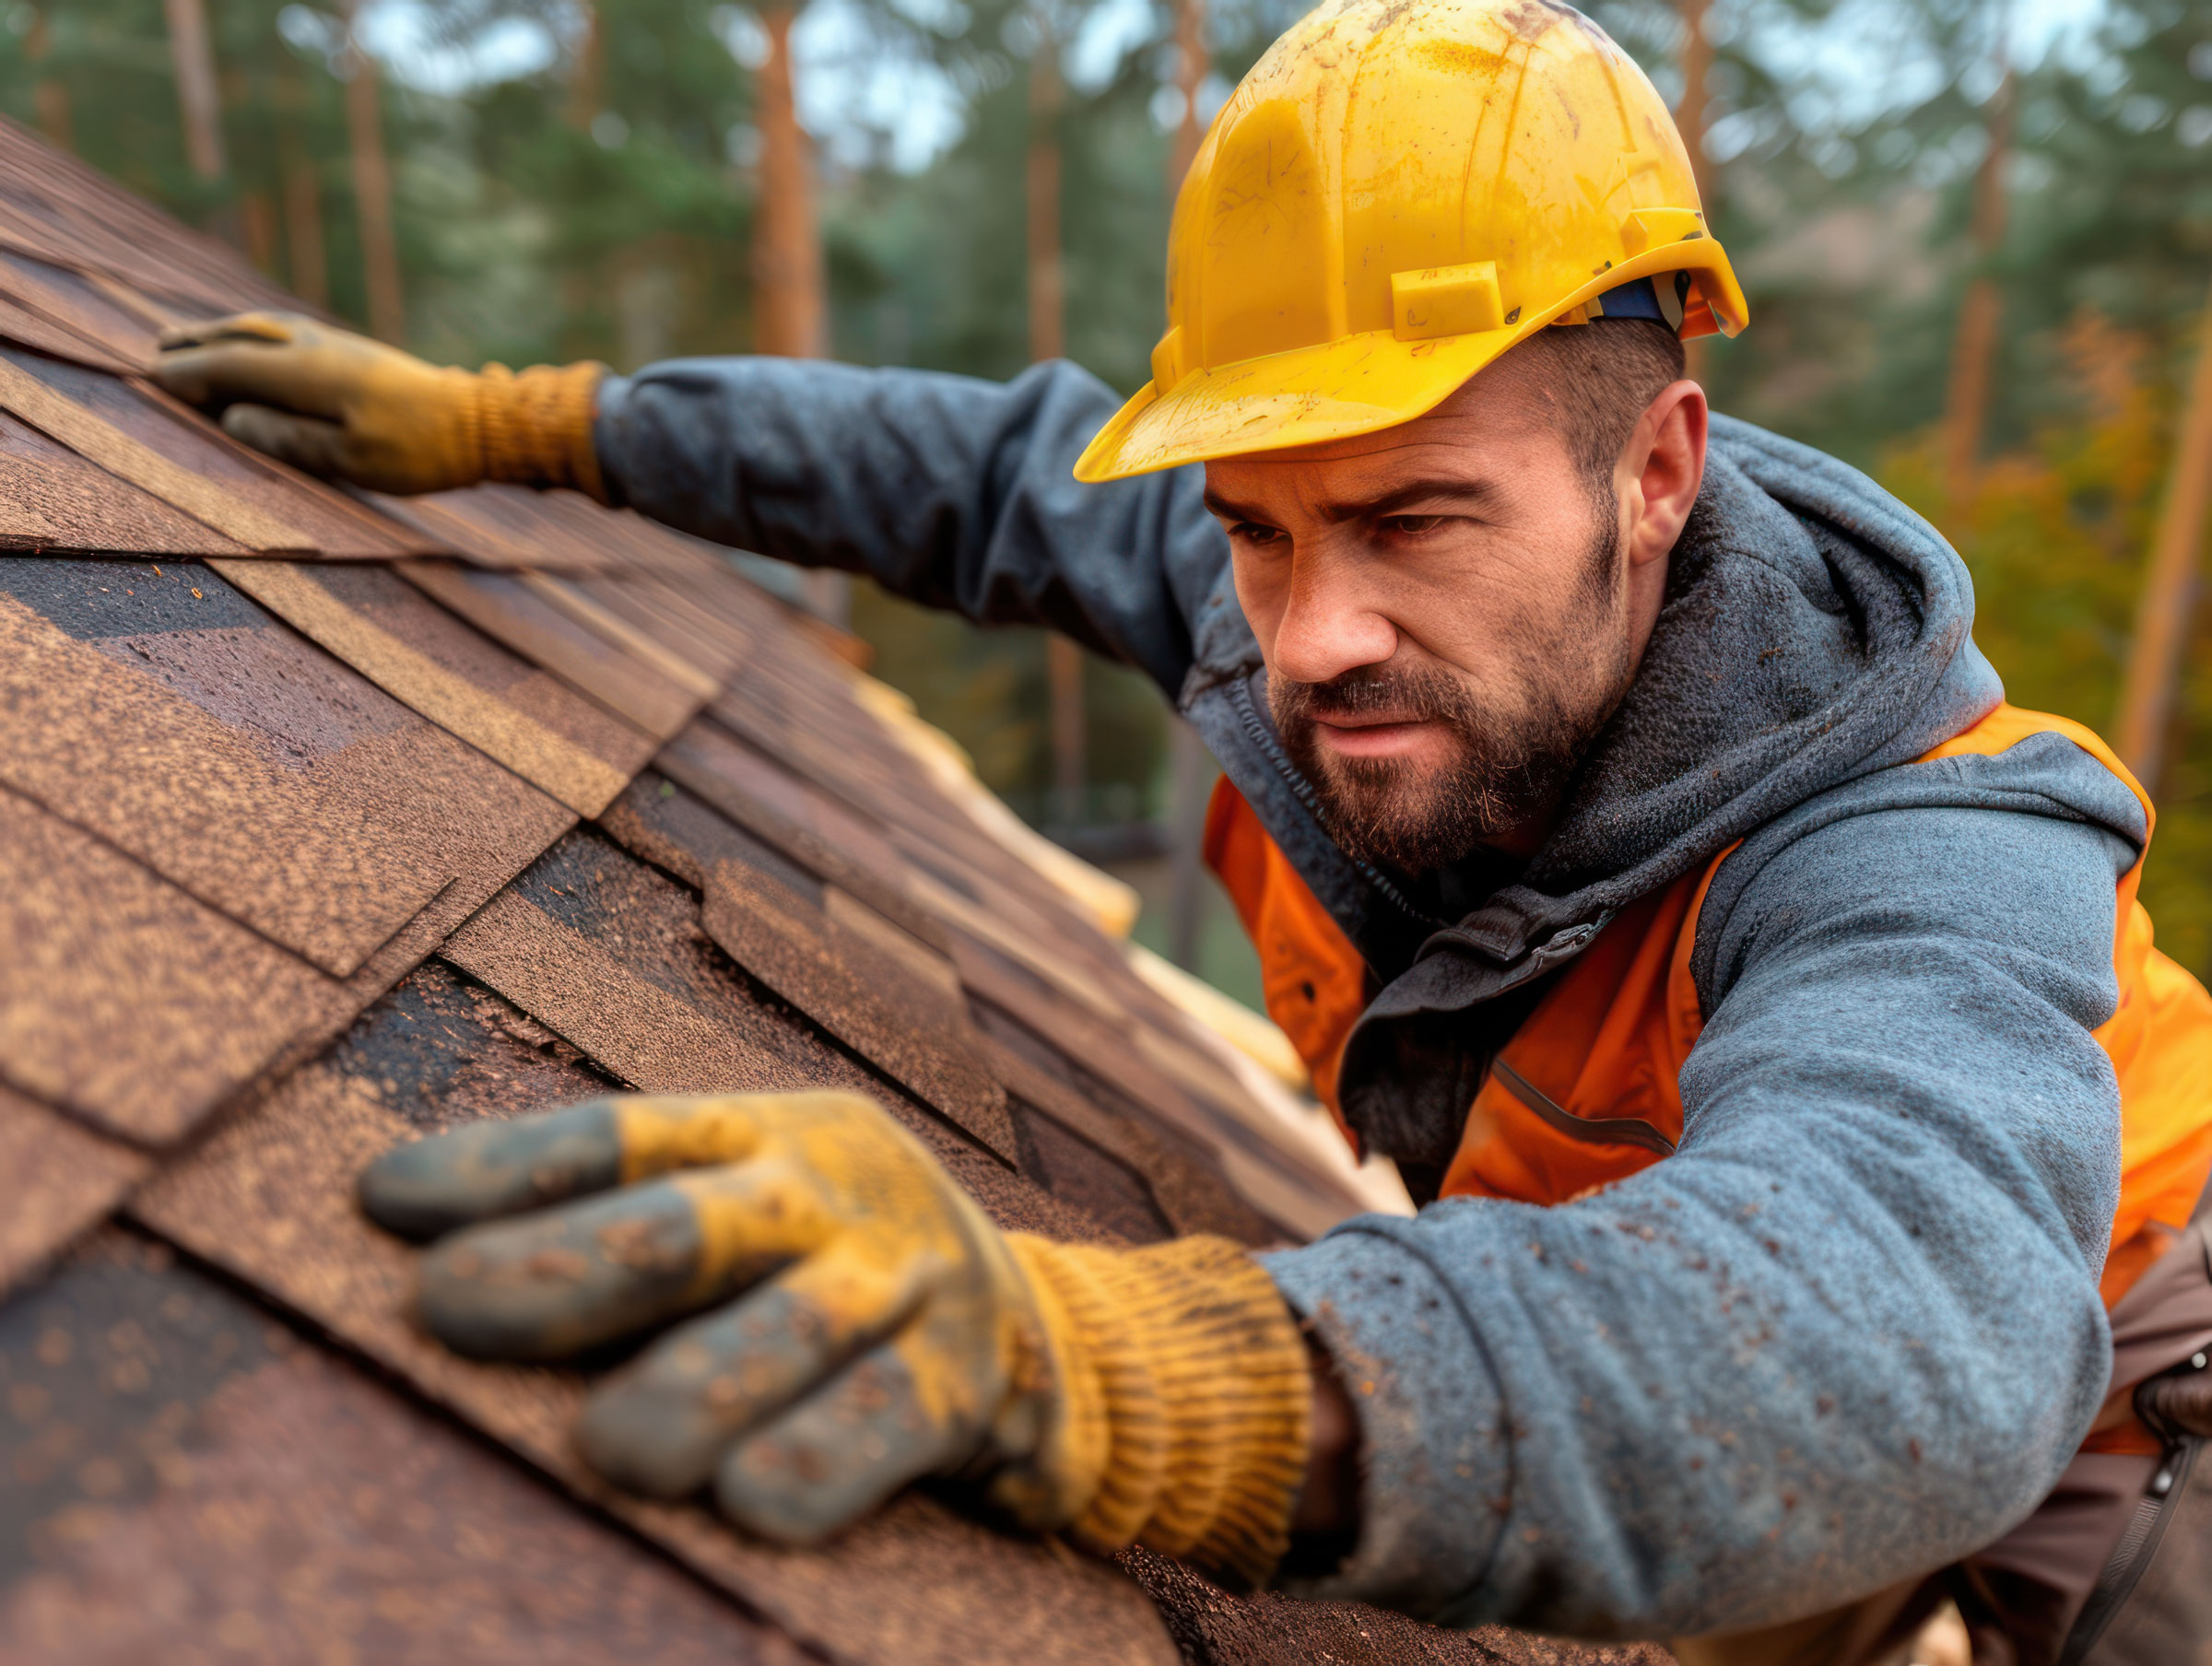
(1851, 1332)
(955, 492)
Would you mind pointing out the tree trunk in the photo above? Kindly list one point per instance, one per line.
(584, 78)
(198, 100)
(791, 302)
(372, 197)
(1690, 114)
(1192, 62)
(1048, 279)
(299, 183)
(789, 309)
(48, 96)
(257, 223)
(2164, 614)
(1973, 351)
(1690, 121)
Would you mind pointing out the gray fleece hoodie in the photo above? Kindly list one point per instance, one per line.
(1851, 1332)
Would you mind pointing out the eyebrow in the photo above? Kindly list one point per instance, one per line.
(1394, 502)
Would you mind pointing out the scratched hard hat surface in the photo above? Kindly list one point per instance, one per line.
(327, 822)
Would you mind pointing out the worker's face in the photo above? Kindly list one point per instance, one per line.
(1450, 609)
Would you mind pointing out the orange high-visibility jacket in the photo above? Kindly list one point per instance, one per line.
(1586, 1092)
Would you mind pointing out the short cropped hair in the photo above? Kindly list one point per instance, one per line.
(1600, 377)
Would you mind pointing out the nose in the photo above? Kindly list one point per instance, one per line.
(1330, 623)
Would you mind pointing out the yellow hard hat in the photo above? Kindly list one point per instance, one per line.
(1399, 191)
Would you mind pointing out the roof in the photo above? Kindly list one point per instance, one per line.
(329, 820)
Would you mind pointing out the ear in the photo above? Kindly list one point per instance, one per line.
(1660, 471)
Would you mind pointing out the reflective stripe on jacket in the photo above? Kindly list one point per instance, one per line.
(1585, 1093)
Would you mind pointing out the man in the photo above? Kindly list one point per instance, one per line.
(1638, 849)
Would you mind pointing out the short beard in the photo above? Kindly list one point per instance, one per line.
(1513, 760)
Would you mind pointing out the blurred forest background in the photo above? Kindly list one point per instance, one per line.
(1977, 235)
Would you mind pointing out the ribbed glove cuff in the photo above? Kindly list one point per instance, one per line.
(1205, 1387)
(536, 426)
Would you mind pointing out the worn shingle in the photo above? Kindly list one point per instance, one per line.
(329, 820)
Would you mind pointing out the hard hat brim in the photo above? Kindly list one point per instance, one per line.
(1356, 384)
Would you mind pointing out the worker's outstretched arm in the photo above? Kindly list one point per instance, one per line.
(955, 492)
(1851, 1330)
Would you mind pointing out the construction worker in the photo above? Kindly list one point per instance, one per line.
(1638, 850)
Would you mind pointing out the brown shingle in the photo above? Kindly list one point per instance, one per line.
(270, 1197)
(297, 513)
(123, 999)
(215, 791)
(508, 608)
(566, 532)
(455, 675)
(53, 499)
(251, 814)
(234, 1482)
(61, 1178)
(54, 206)
(884, 993)
(27, 390)
(79, 306)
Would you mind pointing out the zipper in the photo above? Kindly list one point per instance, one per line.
(2132, 1556)
(1591, 1130)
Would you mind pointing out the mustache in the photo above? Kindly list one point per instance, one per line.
(1413, 694)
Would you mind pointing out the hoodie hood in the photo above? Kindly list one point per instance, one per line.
(1814, 631)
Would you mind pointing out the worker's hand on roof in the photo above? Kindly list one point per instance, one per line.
(861, 1324)
(350, 408)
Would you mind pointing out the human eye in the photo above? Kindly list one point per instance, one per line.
(1411, 526)
(1252, 532)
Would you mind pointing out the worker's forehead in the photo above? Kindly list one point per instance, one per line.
(1479, 424)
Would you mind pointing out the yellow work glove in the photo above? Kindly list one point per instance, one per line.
(341, 406)
(869, 1325)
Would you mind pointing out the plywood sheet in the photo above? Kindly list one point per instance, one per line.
(510, 610)
(884, 993)
(270, 1197)
(62, 1179)
(121, 998)
(202, 1482)
(451, 673)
